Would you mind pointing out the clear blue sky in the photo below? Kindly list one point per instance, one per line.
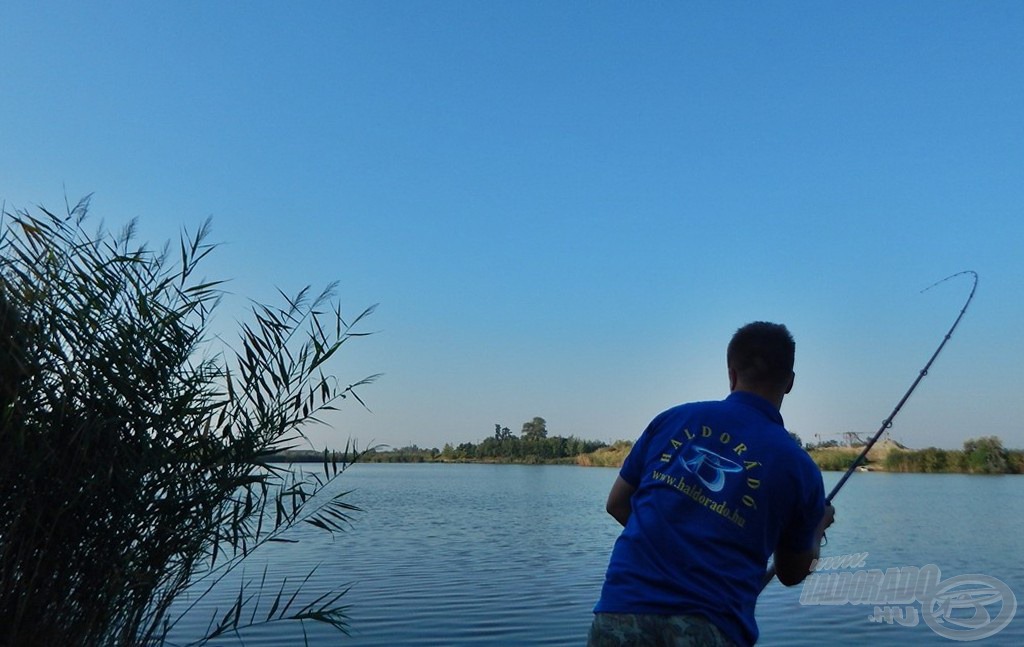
(565, 209)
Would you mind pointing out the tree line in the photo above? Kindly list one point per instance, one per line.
(533, 444)
(985, 455)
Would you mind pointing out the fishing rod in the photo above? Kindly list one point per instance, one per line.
(887, 423)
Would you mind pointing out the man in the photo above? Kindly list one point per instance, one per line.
(708, 493)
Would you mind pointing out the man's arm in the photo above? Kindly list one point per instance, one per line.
(618, 504)
(793, 567)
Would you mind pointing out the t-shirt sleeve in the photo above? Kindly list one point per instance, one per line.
(798, 535)
(633, 467)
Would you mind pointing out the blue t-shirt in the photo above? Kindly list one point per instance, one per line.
(719, 486)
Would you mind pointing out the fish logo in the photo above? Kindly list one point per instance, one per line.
(708, 466)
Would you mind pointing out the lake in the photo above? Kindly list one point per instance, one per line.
(464, 555)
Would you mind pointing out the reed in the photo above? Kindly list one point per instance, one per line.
(133, 443)
(613, 456)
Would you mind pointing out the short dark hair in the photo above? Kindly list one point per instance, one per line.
(762, 353)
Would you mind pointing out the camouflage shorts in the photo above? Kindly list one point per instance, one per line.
(648, 630)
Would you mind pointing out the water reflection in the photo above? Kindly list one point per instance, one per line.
(504, 554)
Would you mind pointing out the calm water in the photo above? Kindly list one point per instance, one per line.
(515, 555)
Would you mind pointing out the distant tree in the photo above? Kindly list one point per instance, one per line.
(934, 460)
(465, 450)
(1015, 461)
(825, 444)
(488, 448)
(796, 439)
(956, 461)
(535, 429)
(501, 433)
(986, 455)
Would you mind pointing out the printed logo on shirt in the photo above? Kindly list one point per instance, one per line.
(706, 471)
(708, 466)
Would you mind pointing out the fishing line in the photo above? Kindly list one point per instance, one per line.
(887, 423)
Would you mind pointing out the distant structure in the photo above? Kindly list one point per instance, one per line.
(847, 439)
(853, 439)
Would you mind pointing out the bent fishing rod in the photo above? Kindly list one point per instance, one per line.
(887, 423)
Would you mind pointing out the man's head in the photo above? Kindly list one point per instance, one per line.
(760, 359)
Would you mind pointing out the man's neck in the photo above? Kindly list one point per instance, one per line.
(774, 396)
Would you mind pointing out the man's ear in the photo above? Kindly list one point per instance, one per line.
(732, 379)
(792, 378)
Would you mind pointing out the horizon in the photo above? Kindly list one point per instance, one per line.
(566, 210)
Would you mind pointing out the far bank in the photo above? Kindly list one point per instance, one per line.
(985, 455)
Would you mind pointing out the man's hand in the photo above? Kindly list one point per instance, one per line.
(827, 519)
(792, 568)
